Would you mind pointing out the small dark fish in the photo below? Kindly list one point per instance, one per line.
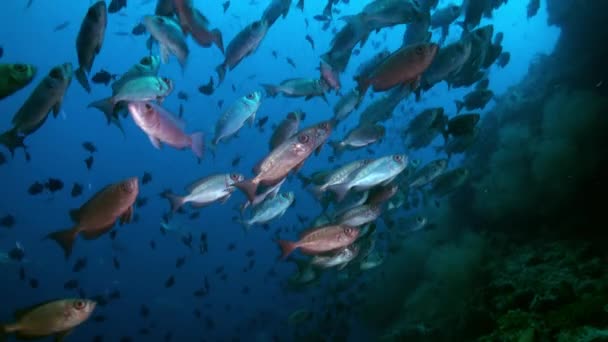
(147, 178)
(144, 311)
(103, 77)
(219, 269)
(152, 244)
(245, 290)
(301, 218)
(141, 201)
(180, 262)
(533, 7)
(197, 313)
(34, 283)
(89, 146)
(113, 235)
(170, 282)
(225, 5)
(291, 62)
(180, 114)
(2, 159)
(207, 89)
(250, 253)
(79, 265)
(231, 246)
(356, 52)
(1, 51)
(209, 323)
(200, 293)
(54, 185)
(194, 215)
(71, 284)
(182, 95)
(35, 188)
(138, 29)
(275, 54)
(321, 17)
(17, 253)
(76, 190)
(187, 240)
(22, 273)
(236, 161)
(116, 5)
(116, 263)
(312, 42)
(61, 26)
(220, 103)
(306, 22)
(7, 221)
(261, 122)
(89, 162)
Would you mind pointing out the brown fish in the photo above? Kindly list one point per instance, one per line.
(57, 317)
(321, 240)
(286, 129)
(98, 215)
(286, 157)
(193, 21)
(404, 66)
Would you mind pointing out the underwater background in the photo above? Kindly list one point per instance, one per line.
(517, 252)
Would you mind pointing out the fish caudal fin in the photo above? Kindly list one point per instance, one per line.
(65, 239)
(218, 40)
(81, 76)
(175, 201)
(105, 106)
(287, 247)
(12, 140)
(300, 5)
(459, 106)
(362, 85)
(317, 191)
(249, 187)
(198, 144)
(271, 90)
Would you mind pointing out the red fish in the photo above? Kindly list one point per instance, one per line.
(321, 240)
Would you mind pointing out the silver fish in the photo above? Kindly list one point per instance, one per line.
(169, 35)
(270, 209)
(206, 191)
(360, 215)
(242, 110)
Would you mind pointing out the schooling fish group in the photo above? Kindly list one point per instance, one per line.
(360, 191)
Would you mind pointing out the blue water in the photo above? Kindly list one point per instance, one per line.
(27, 37)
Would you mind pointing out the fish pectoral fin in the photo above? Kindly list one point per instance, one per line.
(164, 53)
(251, 119)
(57, 108)
(155, 141)
(341, 267)
(308, 97)
(60, 336)
(198, 204)
(224, 199)
(127, 216)
(94, 234)
(20, 313)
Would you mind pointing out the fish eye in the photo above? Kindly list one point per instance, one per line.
(146, 61)
(324, 125)
(56, 73)
(397, 158)
(148, 107)
(234, 176)
(419, 50)
(79, 304)
(419, 219)
(160, 19)
(304, 138)
(126, 187)
(251, 96)
(20, 67)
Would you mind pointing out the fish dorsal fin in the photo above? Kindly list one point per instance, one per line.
(20, 313)
(75, 215)
(180, 123)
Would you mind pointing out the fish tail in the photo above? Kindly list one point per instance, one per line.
(300, 5)
(221, 73)
(271, 90)
(65, 239)
(287, 247)
(249, 187)
(106, 106)
(459, 105)
(81, 76)
(175, 201)
(246, 225)
(340, 190)
(317, 191)
(217, 39)
(12, 140)
(198, 144)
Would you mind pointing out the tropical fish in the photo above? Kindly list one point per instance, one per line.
(321, 240)
(206, 191)
(194, 22)
(14, 77)
(241, 46)
(270, 209)
(286, 129)
(98, 215)
(89, 40)
(170, 37)
(242, 110)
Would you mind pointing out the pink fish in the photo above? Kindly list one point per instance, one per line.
(321, 240)
(163, 127)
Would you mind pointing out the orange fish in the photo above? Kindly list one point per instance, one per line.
(321, 240)
(98, 215)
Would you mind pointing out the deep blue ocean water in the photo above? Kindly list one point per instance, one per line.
(27, 37)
